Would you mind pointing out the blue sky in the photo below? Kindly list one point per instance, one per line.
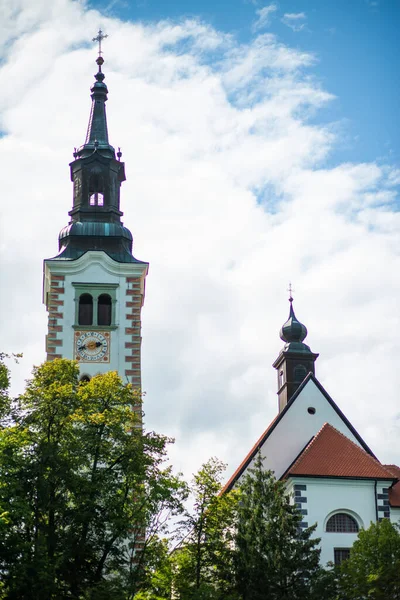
(261, 147)
(355, 42)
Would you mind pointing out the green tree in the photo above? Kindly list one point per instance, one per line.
(202, 562)
(159, 574)
(80, 486)
(275, 557)
(373, 569)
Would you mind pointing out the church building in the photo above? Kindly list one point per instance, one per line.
(332, 475)
(94, 291)
(94, 288)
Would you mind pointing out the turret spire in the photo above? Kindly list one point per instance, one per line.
(97, 131)
(97, 176)
(296, 359)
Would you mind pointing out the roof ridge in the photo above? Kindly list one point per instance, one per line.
(362, 449)
(326, 426)
(309, 446)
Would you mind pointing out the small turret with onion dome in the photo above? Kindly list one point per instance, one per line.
(295, 360)
(294, 333)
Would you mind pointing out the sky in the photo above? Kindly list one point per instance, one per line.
(261, 143)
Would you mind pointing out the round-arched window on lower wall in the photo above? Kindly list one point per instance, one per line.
(342, 523)
(84, 379)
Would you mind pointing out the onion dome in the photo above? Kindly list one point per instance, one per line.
(293, 330)
(293, 333)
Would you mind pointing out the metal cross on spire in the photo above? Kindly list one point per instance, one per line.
(99, 38)
(290, 290)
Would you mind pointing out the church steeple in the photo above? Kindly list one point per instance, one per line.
(295, 360)
(94, 288)
(97, 173)
(97, 131)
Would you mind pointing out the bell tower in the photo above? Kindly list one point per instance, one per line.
(295, 360)
(94, 287)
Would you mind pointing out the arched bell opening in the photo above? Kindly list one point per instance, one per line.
(104, 306)
(85, 313)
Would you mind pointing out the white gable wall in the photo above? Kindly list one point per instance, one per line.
(297, 427)
(324, 497)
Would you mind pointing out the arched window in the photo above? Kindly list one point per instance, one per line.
(300, 373)
(85, 314)
(96, 188)
(84, 379)
(104, 304)
(342, 523)
(96, 199)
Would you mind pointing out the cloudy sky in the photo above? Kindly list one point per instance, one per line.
(261, 144)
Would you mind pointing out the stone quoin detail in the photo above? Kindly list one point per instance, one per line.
(55, 306)
(134, 301)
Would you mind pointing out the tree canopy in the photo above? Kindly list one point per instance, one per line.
(373, 569)
(82, 489)
(89, 510)
(275, 557)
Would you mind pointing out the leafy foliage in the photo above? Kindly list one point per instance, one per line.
(373, 569)
(203, 563)
(275, 557)
(81, 487)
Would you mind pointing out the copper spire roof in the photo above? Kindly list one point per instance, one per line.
(332, 454)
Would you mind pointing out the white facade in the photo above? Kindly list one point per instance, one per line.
(325, 497)
(297, 428)
(318, 498)
(62, 278)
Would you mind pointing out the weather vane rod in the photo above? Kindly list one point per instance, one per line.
(290, 290)
(99, 38)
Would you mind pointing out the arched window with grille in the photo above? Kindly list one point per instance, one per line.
(104, 306)
(342, 523)
(85, 313)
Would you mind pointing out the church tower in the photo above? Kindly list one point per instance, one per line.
(94, 288)
(295, 360)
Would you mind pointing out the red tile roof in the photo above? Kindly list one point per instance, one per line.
(332, 454)
(310, 377)
(394, 492)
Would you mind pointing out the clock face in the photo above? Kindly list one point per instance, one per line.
(92, 346)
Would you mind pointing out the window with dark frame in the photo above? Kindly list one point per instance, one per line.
(340, 554)
(104, 305)
(85, 313)
(342, 523)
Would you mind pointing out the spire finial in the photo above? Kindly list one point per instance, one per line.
(290, 290)
(99, 38)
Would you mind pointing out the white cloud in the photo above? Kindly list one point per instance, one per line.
(296, 21)
(264, 16)
(228, 198)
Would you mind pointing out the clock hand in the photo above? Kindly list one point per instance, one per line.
(98, 344)
(82, 347)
